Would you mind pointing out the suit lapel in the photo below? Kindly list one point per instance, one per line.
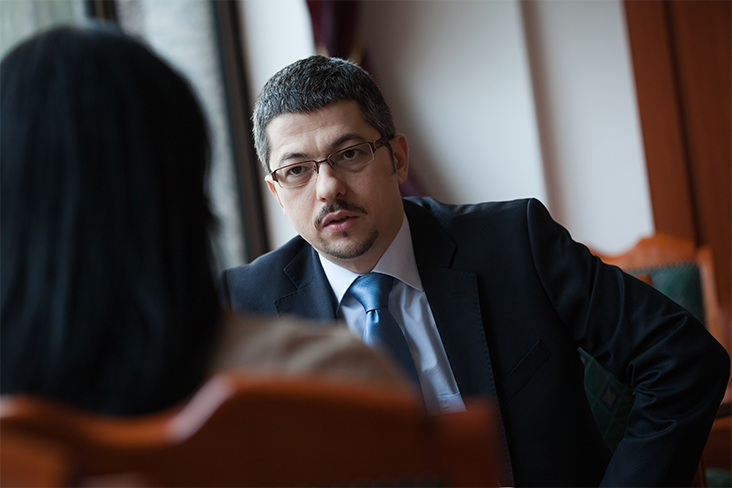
(313, 297)
(454, 298)
(455, 303)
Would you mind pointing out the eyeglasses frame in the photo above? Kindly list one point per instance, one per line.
(375, 145)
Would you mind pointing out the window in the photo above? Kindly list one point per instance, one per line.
(183, 33)
(20, 19)
(191, 35)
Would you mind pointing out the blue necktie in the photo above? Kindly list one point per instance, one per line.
(381, 331)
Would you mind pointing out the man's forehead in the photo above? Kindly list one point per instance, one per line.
(319, 128)
(343, 111)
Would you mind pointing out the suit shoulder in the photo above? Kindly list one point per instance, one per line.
(273, 260)
(512, 210)
(252, 287)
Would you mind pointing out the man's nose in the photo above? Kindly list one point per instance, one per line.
(329, 183)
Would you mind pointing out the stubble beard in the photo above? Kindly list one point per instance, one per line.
(349, 250)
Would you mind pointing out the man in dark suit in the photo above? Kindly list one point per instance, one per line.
(493, 299)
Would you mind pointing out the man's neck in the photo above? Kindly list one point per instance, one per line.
(366, 262)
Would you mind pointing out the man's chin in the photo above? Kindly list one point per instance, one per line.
(344, 248)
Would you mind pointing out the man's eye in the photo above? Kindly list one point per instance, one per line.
(350, 154)
(296, 171)
(353, 154)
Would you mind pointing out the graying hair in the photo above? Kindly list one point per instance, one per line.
(311, 84)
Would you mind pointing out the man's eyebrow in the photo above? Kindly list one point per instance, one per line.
(353, 136)
(332, 147)
(289, 156)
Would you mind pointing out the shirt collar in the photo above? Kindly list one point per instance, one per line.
(398, 261)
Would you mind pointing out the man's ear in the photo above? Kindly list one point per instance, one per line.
(273, 189)
(400, 149)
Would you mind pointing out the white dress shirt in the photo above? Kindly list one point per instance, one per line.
(408, 304)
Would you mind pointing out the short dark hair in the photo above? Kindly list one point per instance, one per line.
(311, 84)
(107, 287)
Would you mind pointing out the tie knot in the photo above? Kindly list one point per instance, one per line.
(372, 290)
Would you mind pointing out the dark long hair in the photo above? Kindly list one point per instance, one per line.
(108, 297)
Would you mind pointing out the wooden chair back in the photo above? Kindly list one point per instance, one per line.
(244, 430)
(27, 460)
(663, 251)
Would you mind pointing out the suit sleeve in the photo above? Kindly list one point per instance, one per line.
(679, 371)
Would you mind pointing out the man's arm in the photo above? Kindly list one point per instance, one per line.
(679, 371)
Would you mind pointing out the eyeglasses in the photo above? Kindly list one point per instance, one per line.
(348, 160)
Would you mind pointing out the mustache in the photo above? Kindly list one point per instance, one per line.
(336, 206)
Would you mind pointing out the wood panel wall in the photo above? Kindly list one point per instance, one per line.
(682, 59)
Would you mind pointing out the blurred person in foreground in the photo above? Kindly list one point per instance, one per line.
(108, 296)
(493, 299)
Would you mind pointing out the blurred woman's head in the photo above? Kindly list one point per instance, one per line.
(108, 298)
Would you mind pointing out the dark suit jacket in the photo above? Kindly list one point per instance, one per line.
(513, 297)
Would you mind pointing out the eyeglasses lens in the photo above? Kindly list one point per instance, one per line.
(346, 160)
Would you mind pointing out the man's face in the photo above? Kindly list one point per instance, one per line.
(349, 218)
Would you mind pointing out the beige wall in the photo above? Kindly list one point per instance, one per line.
(499, 100)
